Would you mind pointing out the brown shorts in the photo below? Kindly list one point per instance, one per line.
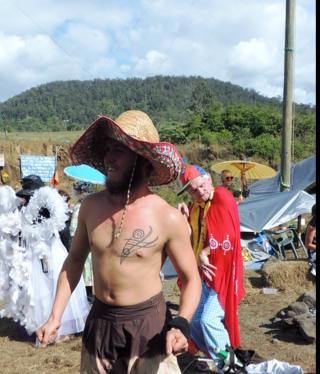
(114, 336)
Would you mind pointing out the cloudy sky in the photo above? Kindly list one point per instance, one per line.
(238, 41)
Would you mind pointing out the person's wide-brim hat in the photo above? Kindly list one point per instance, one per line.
(135, 130)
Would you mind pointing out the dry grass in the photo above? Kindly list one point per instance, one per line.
(288, 276)
(255, 312)
(13, 149)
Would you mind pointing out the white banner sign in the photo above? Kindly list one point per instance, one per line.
(43, 166)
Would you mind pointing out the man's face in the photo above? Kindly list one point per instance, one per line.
(118, 163)
(200, 188)
(226, 179)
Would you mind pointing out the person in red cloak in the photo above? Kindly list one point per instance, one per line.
(215, 235)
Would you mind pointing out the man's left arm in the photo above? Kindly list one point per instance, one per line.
(181, 254)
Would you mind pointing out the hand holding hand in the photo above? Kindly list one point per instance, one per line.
(183, 208)
(176, 342)
(207, 268)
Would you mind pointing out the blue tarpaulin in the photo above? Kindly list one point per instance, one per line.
(303, 177)
(267, 207)
(268, 211)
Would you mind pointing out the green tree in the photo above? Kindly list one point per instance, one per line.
(173, 132)
(265, 146)
(213, 117)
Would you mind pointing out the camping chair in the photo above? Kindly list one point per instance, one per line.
(299, 240)
(281, 240)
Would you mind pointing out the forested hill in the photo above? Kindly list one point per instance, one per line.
(75, 104)
(218, 116)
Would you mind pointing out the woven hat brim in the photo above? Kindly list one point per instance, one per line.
(90, 147)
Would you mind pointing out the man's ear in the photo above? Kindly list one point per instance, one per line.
(146, 167)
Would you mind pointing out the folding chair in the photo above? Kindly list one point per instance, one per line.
(298, 240)
(281, 240)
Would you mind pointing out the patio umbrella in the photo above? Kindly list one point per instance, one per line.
(85, 173)
(244, 169)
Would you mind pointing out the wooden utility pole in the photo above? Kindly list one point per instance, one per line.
(287, 98)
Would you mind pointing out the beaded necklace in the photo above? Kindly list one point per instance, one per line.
(117, 234)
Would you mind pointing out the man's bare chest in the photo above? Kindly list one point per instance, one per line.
(141, 236)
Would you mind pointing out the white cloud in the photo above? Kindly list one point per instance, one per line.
(153, 63)
(251, 56)
(242, 43)
(84, 41)
(10, 47)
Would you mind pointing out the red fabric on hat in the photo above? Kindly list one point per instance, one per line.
(90, 148)
(223, 237)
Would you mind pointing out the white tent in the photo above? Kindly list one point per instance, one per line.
(267, 211)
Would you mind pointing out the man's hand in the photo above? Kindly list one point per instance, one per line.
(183, 208)
(47, 333)
(176, 342)
(206, 267)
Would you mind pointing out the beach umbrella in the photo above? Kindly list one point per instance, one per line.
(245, 169)
(85, 173)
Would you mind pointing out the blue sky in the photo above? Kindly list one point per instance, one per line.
(238, 41)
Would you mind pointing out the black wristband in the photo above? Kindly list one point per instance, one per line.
(180, 323)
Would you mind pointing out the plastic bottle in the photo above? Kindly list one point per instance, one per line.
(225, 356)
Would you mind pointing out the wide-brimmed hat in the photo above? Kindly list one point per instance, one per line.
(191, 172)
(29, 184)
(135, 130)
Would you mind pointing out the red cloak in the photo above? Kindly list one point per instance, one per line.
(223, 237)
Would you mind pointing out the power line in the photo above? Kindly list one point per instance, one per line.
(53, 40)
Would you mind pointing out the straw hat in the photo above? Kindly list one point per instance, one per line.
(134, 129)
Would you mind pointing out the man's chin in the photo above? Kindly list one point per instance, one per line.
(116, 188)
(205, 198)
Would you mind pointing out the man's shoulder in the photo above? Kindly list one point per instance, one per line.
(94, 198)
(162, 206)
(157, 202)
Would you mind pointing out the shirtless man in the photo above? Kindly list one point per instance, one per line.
(130, 231)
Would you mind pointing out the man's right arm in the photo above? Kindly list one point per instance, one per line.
(68, 279)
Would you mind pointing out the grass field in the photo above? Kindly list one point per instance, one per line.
(56, 137)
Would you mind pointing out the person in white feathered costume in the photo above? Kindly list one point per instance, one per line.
(41, 220)
(13, 267)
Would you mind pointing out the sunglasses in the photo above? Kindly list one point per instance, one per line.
(228, 178)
